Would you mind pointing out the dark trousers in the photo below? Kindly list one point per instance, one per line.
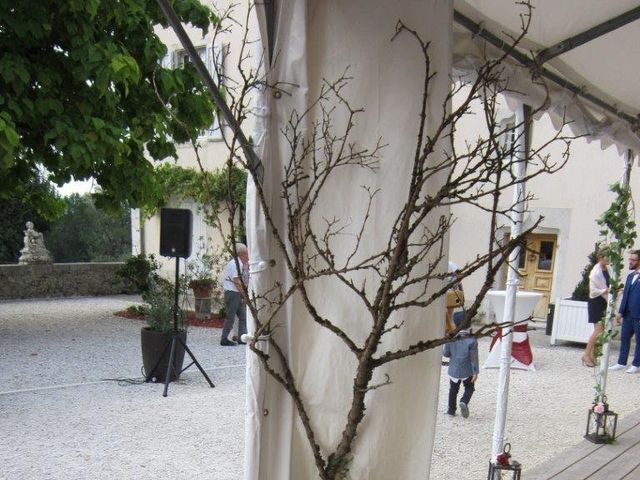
(234, 305)
(630, 327)
(454, 387)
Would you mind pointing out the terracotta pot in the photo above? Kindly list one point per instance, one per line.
(202, 295)
(201, 290)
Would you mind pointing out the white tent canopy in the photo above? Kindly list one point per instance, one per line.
(586, 51)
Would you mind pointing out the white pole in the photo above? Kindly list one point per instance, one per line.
(137, 232)
(604, 360)
(522, 121)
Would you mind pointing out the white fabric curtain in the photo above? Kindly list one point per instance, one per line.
(316, 40)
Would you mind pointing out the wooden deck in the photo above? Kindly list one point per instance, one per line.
(587, 460)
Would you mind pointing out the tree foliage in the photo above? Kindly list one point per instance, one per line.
(85, 233)
(80, 90)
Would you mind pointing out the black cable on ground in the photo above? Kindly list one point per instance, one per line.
(124, 382)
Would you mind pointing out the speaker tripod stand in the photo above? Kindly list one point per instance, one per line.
(172, 344)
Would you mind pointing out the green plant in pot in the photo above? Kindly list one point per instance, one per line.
(155, 338)
(202, 287)
(202, 277)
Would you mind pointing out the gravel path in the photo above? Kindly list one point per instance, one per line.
(60, 420)
(547, 410)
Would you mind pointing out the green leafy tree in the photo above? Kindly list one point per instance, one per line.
(80, 90)
(85, 233)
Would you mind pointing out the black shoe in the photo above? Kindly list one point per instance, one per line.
(464, 409)
(450, 413)
(227, 343)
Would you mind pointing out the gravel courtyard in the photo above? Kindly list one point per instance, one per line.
(62, 419)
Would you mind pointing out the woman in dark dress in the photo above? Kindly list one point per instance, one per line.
(599, 280)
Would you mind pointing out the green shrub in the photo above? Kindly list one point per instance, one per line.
(581, 292)
(140, 272)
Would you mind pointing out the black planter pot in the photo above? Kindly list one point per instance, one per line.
(156, 347)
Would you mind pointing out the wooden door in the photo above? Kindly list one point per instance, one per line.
(536, 268)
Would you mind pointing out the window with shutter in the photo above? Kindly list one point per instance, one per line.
(213, 59)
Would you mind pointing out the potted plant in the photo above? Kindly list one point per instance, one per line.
(155, 338)
(202, 287)
(202, 277)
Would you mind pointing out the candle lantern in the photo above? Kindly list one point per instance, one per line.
(504, 467)
(601, 424)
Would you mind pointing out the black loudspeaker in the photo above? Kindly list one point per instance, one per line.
(175, 232)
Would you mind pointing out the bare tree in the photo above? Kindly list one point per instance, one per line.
(409, 272)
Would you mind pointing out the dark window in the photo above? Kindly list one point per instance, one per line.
(522, 255)
(545, 259)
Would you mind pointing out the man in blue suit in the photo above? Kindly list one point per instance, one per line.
(629, 311)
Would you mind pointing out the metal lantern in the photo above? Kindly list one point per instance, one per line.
(503, 467)
(502, 472)
(601, 426)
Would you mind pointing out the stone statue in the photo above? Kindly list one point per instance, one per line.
(34, 250)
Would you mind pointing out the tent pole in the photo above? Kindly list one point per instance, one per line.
(606, 348)
(523, 115)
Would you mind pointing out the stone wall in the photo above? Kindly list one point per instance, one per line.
(60, 280)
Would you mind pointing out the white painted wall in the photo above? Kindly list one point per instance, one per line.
(570, 200)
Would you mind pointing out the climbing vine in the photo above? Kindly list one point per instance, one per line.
(213, 190)
(618, 230)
